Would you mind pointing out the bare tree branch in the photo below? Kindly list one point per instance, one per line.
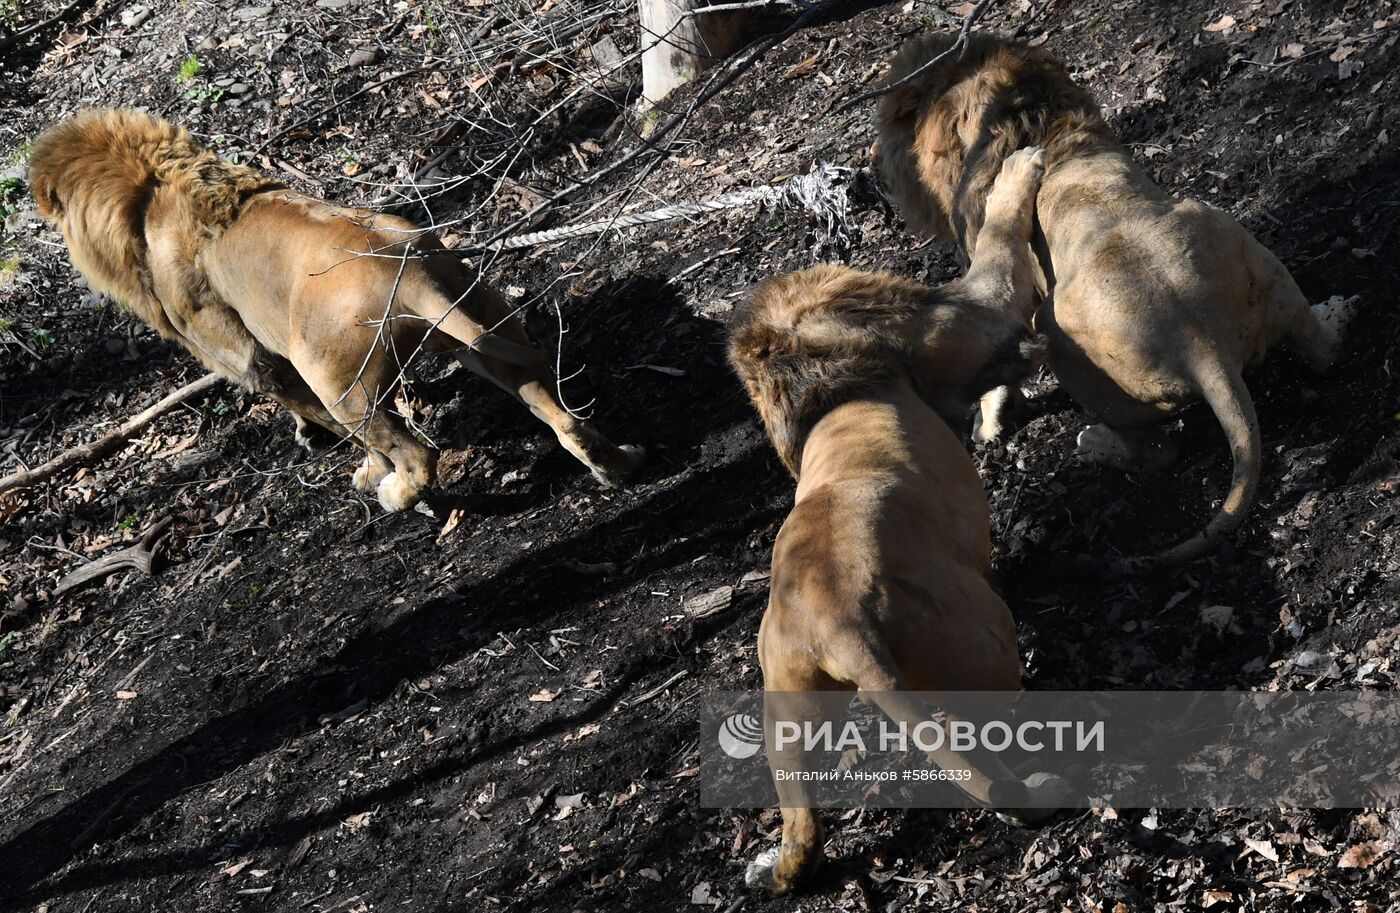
(110, 442)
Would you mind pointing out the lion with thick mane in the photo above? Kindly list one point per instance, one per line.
(879, 576)
(316, 306)
(1152, 302)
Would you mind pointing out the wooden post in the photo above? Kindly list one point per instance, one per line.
(677, 46)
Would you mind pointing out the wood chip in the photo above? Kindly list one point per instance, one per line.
(707, 604)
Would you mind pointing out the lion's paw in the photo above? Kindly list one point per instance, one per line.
(368, 476)
(302, 435)
(1027, 164)
(395, 494)
(1050, 793)
(759, 874)
(990, 421)
(1101, 444)
(632, 458)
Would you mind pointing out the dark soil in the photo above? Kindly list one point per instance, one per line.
(315, 706)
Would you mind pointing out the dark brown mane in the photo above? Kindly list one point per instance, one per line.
(806, 342)
(945, 134)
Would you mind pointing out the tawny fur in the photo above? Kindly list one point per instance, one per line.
(808, 341)
(1152, 302)
(879, 577)
(314, 305)
(95, 175)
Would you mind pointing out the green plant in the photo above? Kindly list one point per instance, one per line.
(189, 69)
(10, 191)
(128, 523)
(6, 324)
(199, 90)
(204, 93)
(41, 337)
(221, 408)
(6, 639)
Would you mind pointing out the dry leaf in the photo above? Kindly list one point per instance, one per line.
(543, 696)
(1263, 848)
(1341, 53)
(1293, 50)
(583, 732)
(1223, 24)
(454, 519)
(238, 867)
(1211, 898)
(803, 68)
(1363, 855)
(125, 695)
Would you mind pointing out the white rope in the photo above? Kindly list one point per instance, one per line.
(822, 193)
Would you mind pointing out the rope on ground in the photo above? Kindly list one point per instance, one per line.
(822, 192)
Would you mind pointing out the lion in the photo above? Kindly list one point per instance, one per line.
(1150, 303)
(879, 576)
(313, 305)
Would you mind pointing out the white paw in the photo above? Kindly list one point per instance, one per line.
(990, 421)
(1336, 313)
(368, 476)
(613, 478)
(1052, 791)
(759, 874)
(300, 435)
(395, 495)
(1101, 444)
(1049, 794)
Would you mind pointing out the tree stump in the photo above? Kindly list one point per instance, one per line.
(678, 45)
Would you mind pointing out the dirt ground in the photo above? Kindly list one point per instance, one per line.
(315, 706)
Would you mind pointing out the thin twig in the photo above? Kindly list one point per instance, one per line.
(331, 107)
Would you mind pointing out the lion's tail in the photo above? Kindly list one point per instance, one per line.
(1228, 397)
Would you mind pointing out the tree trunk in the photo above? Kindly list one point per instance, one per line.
(676, 47)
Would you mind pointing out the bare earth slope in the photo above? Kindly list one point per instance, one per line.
(314, 706)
